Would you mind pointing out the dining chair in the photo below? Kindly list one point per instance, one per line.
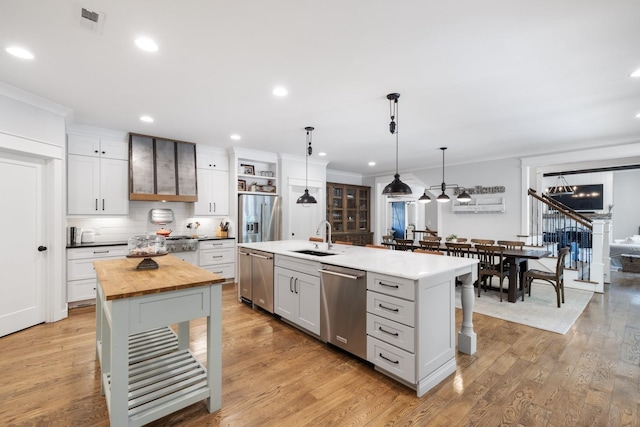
(511, 244)
(387, 238)
(404, 244)
(490, 264)
(369, 245)
(316, 239)
(343, 242)
(426, 251)
(483, 241)
(431, 245)
(458, 249)
(461, 239)
(555, 278)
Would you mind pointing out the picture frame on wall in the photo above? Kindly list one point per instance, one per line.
(248, 169)
(242, 185)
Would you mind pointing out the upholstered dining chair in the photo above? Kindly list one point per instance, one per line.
(490, 264)
(555, 278)
(369, 245)
(404, 244)
(426, 251)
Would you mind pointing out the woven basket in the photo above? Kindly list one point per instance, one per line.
(630, 263)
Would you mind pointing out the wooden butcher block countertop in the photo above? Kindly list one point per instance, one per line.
(120, 279)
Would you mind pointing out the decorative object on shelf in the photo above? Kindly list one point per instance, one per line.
(443, 198)
(396, 187)
(242, 185)
(147, 247)
(306, 198)
(561, 187)
(248, 169)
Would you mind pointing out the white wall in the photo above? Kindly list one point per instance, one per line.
(342, 177)
(626, 204)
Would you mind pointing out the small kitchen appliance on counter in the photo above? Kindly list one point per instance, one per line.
(88, 236)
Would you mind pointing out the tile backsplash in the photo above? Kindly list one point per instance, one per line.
(120, 228)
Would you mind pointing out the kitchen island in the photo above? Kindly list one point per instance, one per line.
(147, 370)
(410, 304)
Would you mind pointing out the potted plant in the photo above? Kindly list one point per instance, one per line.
(451, 237)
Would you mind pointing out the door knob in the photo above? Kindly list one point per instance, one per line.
(42, 248)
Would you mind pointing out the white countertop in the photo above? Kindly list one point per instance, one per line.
(408, 265)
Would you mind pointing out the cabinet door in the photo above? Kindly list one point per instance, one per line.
(284, 296)
(83, 145)
(220, 193)
(113, 149)
(204, 205)
(83, 185)
(208, 159)
(308, 298)
(114, 187)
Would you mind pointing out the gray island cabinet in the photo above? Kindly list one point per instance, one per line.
(410, 304)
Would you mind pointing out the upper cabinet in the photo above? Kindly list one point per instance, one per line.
(97, 176)
(162, 169)
(213, 182)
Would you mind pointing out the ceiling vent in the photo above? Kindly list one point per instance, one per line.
(91, 20)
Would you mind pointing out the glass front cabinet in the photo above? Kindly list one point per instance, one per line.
(348, 211)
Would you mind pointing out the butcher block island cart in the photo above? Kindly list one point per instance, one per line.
(147, 370)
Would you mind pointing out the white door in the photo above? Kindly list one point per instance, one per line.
(303, 220)
(21, 263)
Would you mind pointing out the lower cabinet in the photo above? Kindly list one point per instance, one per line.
(297, 292)
(218, 256)
(81, 276)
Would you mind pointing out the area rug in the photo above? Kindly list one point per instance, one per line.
(539, 310)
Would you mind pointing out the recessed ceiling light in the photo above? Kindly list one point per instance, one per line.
(280, 91)
(146, 119)
(636, 73)
(236, 137)
(372, 163)
(322, 154)
(20, 52)
(146, 44)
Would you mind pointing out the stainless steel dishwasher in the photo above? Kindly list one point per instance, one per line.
(256, 278)
(343, 309)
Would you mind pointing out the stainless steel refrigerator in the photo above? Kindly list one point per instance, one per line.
(259, 218)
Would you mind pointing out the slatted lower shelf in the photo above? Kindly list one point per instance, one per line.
(162, 378)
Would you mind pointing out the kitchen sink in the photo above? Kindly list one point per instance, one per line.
(312, 252)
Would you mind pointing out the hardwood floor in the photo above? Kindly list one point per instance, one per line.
(275, 375)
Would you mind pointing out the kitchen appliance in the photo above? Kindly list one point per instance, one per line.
(88, 236)
(256, 278)
(343, 309)
(183, 247)
(259, 218)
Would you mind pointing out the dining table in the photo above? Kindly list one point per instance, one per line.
(517, 259)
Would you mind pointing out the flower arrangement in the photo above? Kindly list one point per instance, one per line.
(451, 237)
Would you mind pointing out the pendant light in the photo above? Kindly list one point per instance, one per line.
(396, 187)
(306, 198)
(561, 187)
(424, 198)
(443, 198)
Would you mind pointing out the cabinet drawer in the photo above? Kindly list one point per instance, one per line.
(390, 285)
(225, 270)
(216, 244)
(79, 290)
(215, 256)
(398, 362)
(297, 264)
(391, 332)
(395, 309)
(98, 252)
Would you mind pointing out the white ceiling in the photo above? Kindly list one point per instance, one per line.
(489, 79)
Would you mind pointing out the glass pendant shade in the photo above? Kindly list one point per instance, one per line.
(307, 199)
(424, 198)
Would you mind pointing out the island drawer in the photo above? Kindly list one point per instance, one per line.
(394, 333)
(395, 309)
(297, 264)
(400, 363)
(390, 285)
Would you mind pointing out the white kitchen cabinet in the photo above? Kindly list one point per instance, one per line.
(213, 193)
(297, 292)
(218, 256)
(211, 158)
(97, 176)
(81, 276)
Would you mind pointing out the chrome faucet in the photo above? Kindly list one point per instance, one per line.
(324, 221)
